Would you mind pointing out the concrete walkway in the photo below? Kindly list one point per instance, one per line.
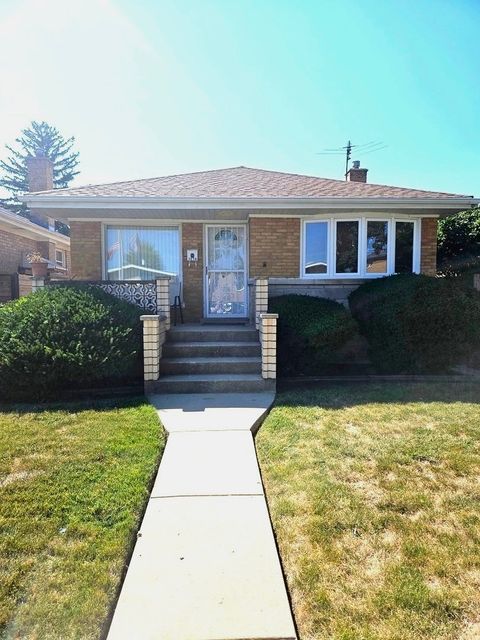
(205, 565)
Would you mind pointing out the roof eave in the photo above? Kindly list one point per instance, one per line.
(33, 231)
(162, 202)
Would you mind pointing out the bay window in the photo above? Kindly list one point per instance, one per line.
(360, 247)
(142, 253)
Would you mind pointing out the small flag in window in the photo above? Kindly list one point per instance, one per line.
(115, 247)
(135, 244)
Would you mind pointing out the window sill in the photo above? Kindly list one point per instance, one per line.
(320, 281)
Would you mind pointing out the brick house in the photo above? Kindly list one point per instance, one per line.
(19, 237)
(216, 231)
(229, 239)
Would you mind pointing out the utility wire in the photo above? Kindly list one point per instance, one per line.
(365, 148)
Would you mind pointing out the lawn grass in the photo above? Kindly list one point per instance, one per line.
(374, 493)
(74, 480)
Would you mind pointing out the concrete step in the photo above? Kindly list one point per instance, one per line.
(210, 383)
(210, 349)
(210, 365)
(212, 411)
(212, 333)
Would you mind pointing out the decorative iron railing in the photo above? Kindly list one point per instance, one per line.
(142, 293)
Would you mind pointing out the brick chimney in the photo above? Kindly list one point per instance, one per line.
(40, 173)
(356, 174)
(40, 178)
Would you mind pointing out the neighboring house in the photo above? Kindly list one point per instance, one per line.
(218, 230)
(20, 237)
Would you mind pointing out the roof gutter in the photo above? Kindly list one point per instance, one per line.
(157, 202)
(33, 231)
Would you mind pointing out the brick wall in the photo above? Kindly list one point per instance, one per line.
(192, 238)
(275, 243)
(6, 292)
(24, 285)
(331, 289)
(428, 258)
(86, 250)
(47, 249)
(12, 248)
(68, 262)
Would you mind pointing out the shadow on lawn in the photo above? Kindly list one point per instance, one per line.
(339, 396)
(75, 406)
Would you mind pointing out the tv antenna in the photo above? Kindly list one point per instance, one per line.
(368, 147)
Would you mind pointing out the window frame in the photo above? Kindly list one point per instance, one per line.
(304, 249)
(390, 254)
(363, 220)
(341, 274)
(63, 262)
(144, 225)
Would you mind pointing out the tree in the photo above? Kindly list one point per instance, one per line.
(143, 254)
(459, 235)
(39, 139)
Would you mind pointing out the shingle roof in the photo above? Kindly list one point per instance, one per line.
(244, 182)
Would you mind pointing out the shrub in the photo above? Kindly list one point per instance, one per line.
(415, 323)
(311, 331)
(66, 337)
(459, 234)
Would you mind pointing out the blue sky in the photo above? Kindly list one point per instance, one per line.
(169, 86)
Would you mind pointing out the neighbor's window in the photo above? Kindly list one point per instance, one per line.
(377, 245)
(60, 257)
(347, 246)
(316, 247)
(404, 232)
(142, 253)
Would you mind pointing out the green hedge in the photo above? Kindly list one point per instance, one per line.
(415, 323)
(311, 331)
(459, 235)
(64, 338)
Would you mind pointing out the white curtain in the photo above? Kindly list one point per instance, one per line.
(142, 253)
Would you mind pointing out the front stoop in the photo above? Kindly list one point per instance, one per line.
(211, 359)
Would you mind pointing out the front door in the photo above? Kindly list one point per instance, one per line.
(226, 271)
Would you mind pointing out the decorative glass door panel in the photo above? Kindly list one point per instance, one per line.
(226, 276)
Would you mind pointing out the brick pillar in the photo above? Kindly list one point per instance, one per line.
(163, 299)
(154, 331)
(261, 299)
(268, 340)
(38, 283)
(428, 257)
(86, 250)
(476, 281)
(193, 273)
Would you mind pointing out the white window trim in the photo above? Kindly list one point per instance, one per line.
(390, 244)
(63, 262)
(334, 248)
(143, 224)
(303, 249)
(362, 245)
